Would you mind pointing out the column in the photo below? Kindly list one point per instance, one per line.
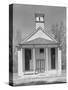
(49, 58)
(20, 69)
(46, 62)
(59, 61)
(23, 61)
(56, 56)
(34, 64)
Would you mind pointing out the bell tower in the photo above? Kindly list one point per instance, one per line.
(39, 20)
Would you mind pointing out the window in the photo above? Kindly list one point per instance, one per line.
(39, 19)
(41, 50)
(28, 60)
(53, 66)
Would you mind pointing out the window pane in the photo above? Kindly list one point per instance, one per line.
(41, 18)
(37, 18)
(41, 50)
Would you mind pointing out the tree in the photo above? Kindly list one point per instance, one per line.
(59, 32)
(55, 31)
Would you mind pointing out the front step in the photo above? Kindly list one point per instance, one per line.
(40, 79)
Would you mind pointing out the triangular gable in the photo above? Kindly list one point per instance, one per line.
(39, 34)
(40, 41)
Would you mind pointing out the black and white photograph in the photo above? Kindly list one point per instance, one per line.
(37, 44)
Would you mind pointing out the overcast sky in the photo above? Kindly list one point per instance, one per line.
(24, 18)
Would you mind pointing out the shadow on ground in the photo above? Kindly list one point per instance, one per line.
(39, 83)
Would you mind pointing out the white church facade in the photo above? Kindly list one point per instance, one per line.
(39, 53)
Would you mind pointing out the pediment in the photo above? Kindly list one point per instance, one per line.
(39, 34)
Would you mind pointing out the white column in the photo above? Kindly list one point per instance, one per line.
(49, 59)
(20, 69)
(46, 63)
(23, 61)
(34, 64)
(59, 61)
(56, 58)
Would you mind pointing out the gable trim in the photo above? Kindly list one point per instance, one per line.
(36, 32)
(29, 36)
(50, 36)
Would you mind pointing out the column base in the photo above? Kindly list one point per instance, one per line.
(20, 74)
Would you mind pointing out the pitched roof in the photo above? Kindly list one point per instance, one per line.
(39, 37)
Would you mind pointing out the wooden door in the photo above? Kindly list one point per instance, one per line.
(40, 65)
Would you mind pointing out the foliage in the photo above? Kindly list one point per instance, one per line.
(59, 32)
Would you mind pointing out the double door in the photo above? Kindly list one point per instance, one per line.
(40, 65)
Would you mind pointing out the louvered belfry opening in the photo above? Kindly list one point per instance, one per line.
(39, 20)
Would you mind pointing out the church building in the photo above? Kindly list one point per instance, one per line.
(39, 54)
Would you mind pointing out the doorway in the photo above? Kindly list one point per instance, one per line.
(40, 65)
(40, 60)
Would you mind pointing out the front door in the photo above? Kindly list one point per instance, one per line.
(40, 65)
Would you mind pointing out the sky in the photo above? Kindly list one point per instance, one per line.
(24, 18)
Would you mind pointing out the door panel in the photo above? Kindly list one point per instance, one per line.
(40, 65)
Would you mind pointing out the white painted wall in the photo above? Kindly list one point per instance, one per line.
(39, 25)
(38, 55)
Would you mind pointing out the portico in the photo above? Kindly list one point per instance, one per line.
(39, 61)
